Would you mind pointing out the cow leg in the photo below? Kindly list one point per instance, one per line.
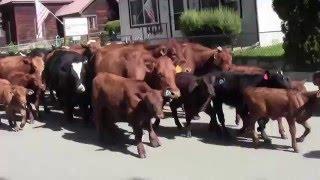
(237, 121)
(153, 138)
(156, 123)
(213, 125)
(306, 131)
(281, 129)
(262, 126)
(219, 110)
(138, 138)
(292, 128)
(189, 116)
(68, 112)
(98, 121)
(251, 125)
(29, 112)
(173, 106)
(85, 114)
(24, 119)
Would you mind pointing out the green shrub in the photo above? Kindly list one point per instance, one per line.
(113, 27)
(13, 49)
(222, 20)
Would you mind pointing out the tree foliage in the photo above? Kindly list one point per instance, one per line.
(301, 26)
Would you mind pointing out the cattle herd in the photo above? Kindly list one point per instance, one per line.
(132, 83)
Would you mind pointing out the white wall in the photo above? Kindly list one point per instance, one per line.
(268, 20)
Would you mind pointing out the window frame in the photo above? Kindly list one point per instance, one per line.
(95, 24)
(144, 24)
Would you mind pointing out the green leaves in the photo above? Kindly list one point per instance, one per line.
(211, 21)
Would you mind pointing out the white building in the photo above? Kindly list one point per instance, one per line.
(148, 19)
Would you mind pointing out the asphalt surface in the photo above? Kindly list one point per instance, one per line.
(54, 150)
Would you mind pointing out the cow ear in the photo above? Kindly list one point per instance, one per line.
(150, 65)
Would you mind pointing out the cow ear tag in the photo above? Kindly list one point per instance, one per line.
(318, 94)
(266, 77)
(178, 69)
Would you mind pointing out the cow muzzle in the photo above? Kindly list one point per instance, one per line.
(81, 88)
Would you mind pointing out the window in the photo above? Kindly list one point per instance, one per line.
(92, 22)
(204, 4)
(178, 9)
(143, 12)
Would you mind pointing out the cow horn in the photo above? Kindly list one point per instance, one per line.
(219, 48)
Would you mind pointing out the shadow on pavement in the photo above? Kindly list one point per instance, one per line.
(201, 132)
(312, 154)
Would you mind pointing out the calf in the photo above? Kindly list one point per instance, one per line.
(29, 81)
(295, 106)
(196, 94)
(116, 98)
(14, 98)
(229, 89)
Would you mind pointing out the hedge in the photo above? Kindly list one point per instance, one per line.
(113, 27)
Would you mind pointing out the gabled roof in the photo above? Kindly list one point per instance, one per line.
(78, 6)
(2, 2)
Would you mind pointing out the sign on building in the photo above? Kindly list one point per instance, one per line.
(75, 26)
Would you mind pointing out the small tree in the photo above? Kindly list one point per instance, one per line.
(301, 26)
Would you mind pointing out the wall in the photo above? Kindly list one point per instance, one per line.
(249, 23)
(101, 9)
(25, 18)
(268, 20)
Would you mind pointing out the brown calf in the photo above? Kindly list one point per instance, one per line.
(15, 100)
(295, 106)
(29, 81)
(116, 98)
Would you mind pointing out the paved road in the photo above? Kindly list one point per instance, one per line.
(49, 152)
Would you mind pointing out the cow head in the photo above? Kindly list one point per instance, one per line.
(222, 58)
(154, 103)
(78, 75)
(163, 76)
(37, 64)
(171, 48)
(316, 78)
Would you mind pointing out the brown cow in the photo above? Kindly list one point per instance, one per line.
(32, 82)
(295, 106)
(201, 60)
(15, 100)
(139, 64)
(116, 98)
(28, 65)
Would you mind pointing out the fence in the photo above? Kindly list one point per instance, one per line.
(243, 45)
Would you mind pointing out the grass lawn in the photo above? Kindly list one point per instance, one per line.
(274, 51)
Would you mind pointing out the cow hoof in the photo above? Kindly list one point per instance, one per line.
(296, 150)
(30, 121)
(300, 139)
(141, 151)
(155, 143)
(267, 141)
(188, 135)
(16, 129)
(196, 117)
(283, 136)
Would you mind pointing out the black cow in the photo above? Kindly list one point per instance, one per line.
(196, 94)
(66, 73)
(229, 89)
